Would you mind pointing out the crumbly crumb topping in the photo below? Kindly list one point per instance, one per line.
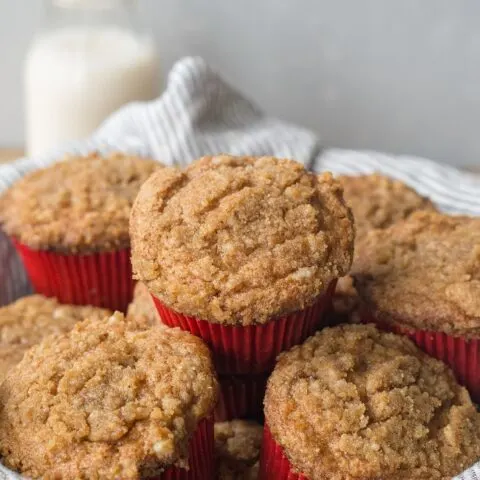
(423, 272)
(79, 205)
(353, 403)
(30, 319)
(240, 240)
(108, 400)
(378, 201)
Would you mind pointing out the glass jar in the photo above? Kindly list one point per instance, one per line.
(90, 58)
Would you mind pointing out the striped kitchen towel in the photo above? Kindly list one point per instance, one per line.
(200, 114)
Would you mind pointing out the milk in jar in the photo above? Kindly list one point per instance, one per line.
(75, 76)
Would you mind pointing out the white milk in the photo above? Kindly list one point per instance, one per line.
(75, 77)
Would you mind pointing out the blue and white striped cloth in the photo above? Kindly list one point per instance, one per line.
(200, 114)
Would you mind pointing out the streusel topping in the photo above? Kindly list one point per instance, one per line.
(79, 205)
(378, 201)
(240, 240)
(353, 403)
(30, 319)
(108, 400)
(423, 272)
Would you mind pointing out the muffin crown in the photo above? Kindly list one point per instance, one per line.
(378, 201)
(111, 399)
(240, 240)
(30, 319)
(423, 272)
(355, 403)
(80, 205)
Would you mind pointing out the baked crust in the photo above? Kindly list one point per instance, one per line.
(110, 399)
(355, 403)
(79, 205)
(378, 201)
(423, 272)
(240, 240)
(30, 319)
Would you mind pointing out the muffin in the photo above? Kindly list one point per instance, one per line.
(421, 277)
(69, 223)
(355, 403)
(142, 305)
(110, 400)
(29, 320)
(237, 449)
(243, 252)
(377, 202)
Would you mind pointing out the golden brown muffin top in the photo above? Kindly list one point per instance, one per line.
(237, 449)
(240, 240)
(29, 320)
(423, 272)
(107, 400)
(142, 305)
(76, 206)
(354, 403)
(378, 201)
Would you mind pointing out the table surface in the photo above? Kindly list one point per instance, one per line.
(9, 154)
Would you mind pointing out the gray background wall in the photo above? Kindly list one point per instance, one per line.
(395, 75)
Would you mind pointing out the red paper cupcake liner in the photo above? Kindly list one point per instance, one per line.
(201, 460)
(251, 349)
(274, 465)
(99, 279)
(461, 354)
(241, 396)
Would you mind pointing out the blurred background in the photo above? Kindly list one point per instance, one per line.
(400, 76)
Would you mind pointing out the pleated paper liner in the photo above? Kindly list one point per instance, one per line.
(201, 459)
(461, 354)
(251, 349)
(241, 396)
(274, 465)
(101, 279)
